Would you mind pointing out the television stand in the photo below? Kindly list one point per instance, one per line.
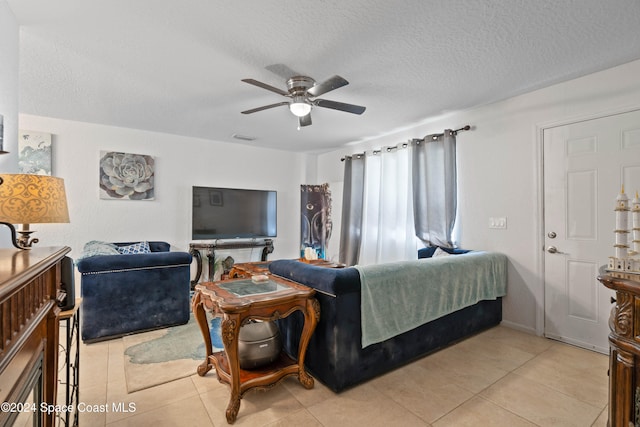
(211, 246)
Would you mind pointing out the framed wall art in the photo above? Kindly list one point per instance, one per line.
(126, 176)
(2, 135)
(34, 152)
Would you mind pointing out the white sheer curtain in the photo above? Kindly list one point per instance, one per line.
(352, 206)
(388, 232)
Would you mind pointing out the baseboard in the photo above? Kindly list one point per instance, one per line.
(578, 343)
(519, 327)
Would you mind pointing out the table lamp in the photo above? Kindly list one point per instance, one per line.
(31, 199)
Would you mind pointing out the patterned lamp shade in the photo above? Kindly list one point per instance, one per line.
(32, 199)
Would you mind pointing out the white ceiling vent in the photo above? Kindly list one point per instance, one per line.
(243, 137)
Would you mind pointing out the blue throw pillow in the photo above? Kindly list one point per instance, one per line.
(430, 250)
(427, 252)
(135, 248)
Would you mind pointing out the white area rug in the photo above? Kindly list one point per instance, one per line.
(157, 357)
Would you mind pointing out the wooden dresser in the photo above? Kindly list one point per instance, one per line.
(624, 354)
(29, 283)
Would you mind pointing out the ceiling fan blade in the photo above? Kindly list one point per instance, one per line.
(349, 108)
(282, 71)
(266, 107)
(305, 120)
(330, 84)
(266, 86)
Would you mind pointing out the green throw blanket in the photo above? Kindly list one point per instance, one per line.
(401, 296)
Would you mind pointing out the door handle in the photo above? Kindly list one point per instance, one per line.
(554, 250)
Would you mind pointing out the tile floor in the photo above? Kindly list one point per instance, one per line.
(500, 377)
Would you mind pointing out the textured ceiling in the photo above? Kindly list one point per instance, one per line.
(175, 66)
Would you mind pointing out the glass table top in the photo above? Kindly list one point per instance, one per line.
(247, 287)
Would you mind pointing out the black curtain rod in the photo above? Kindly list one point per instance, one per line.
(438, 135)
(405, 144)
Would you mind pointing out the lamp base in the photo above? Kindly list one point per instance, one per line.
(23, 241)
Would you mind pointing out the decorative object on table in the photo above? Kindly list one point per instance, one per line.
(310, 254)
(34, 152)
(218, 269)
(31, 199)
(626, 259)
(635, 231)
(221, 267)
(259, 278)
(2, 135)
(126, 176)
(315, 229)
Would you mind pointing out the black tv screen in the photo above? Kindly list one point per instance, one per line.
(230, 213)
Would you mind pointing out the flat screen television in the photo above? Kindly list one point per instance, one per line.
(231, 213)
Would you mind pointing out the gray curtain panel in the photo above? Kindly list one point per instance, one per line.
(435, 188)
(352, 206)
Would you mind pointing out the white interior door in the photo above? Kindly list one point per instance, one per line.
(585, 165)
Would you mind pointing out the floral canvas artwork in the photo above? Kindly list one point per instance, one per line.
(34, 152)
(126, 176)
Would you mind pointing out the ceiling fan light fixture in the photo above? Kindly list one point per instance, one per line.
(299, 107)
(303, 93)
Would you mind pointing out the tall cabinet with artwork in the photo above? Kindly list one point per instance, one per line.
(315, 228)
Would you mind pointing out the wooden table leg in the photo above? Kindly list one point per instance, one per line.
(311, 316)
(230, 329)
(197, 306)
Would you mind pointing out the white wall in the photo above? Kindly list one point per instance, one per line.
(180, 163)
(498, 167)
(9, 86)
(9, 36)
(499, 172)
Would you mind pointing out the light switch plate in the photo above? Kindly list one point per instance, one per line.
(498, 223)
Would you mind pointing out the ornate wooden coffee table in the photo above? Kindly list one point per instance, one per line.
(238, 301)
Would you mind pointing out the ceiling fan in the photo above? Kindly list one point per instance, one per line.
(303, 92)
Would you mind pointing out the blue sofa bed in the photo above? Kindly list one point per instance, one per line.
(336, 356)
(127, 293)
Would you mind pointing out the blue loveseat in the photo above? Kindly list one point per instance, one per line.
(127, 293)
(335, 355)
